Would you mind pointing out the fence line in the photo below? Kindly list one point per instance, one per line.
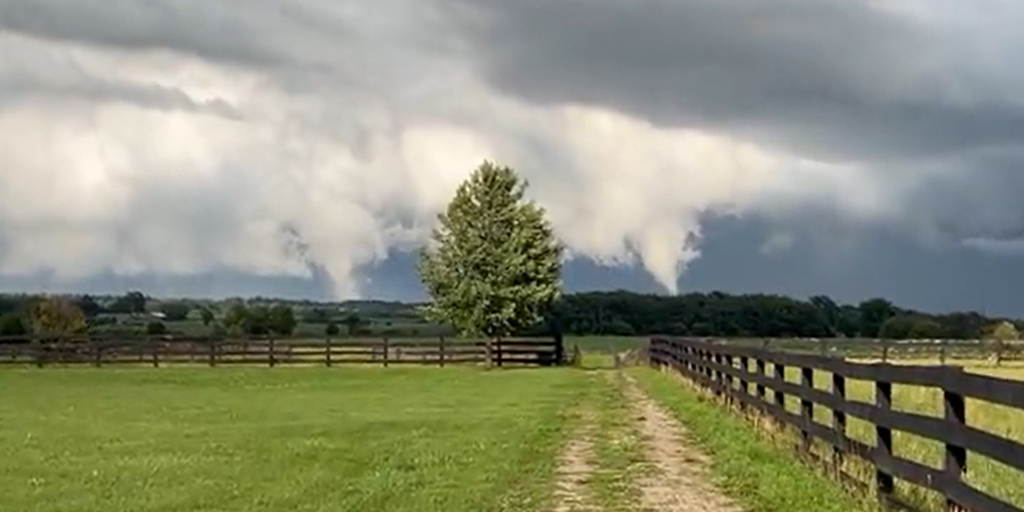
(725, 370)
(158, 351)
(996, 351)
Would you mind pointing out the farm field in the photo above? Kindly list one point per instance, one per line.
(459, 438)
(456, 439)
(605, 344)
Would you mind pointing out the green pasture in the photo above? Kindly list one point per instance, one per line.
(423, 439)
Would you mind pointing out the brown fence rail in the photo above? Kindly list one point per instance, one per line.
(725, 369)
(995, 351)
(158, 351)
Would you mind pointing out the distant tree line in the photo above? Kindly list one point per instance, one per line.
(592, 313)
(718, 314)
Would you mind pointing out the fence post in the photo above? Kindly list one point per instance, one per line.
(839, 421)
(885, 350)
(39, 351)
(762, 371)
(386, 352)
(884, 483)
(154, 346)
(744, 380)
(559, 347)
(272, 359)
(780, 375)
(718, 375)
(709, 373)
(96, 357)
(440, 354)
(955, 464)
(806, 409)
(702, 358)
(943, 343)
(727, 361)
(499, 353)
(213, 352)
(999, 352)
(327, 354)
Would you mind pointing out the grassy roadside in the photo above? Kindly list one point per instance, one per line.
(760, 475)
(617, 450)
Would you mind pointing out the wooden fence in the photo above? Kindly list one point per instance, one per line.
(158, 351)
(725, 369)
(943, 350)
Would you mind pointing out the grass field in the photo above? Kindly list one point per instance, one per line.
(296, 440)
(605, 344)
(400, 439)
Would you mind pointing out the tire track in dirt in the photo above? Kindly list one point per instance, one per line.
(576, 468)
(679, 482)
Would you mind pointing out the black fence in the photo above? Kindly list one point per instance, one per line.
(160, 351)
(739, 374)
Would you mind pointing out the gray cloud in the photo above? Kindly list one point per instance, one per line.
(834, 80)
(301, 139)
(242, 32)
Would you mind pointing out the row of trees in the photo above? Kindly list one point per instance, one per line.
(755, 315)
(64, 316)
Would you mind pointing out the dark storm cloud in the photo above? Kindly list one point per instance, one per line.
(826, 79)
(249, 33)
(13, 90)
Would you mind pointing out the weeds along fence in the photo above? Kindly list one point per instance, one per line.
(943, 350)
(160, 351)
(740, 375)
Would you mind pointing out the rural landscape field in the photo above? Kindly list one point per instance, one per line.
(511, 256)
(608, 434)
(502, 393)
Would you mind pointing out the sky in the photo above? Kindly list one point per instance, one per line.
(303, 148)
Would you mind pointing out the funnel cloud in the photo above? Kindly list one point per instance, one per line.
(313, 141)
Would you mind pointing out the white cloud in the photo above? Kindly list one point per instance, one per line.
(137, 152)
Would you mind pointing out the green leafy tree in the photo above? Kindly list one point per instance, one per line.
(10, 304)
(353, 322)
(282, 320)
(156, 328)
(176, 311)
(57, 316)
(12, 325)
(494, 265)
(925, 329)
(317, 316)
(133, 302)
(90, 308)
(332, 329)
(909, 326)
(236, 318)
(873, 314)
(257, 322)
(206, 315)
(1005, 331)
